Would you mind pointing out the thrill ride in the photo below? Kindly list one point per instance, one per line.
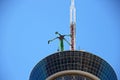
(61, 39)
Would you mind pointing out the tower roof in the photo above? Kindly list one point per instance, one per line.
(89, 64)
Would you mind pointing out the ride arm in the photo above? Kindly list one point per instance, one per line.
(52, 40)
(68, 35)
(58, 33)
(67, 41)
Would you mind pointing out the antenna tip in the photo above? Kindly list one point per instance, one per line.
(72, 1)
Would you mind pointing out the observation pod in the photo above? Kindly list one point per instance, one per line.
(73, 65)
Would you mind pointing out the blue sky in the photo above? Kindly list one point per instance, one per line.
(27, 25)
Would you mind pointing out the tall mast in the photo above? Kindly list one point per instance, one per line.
(73, 25)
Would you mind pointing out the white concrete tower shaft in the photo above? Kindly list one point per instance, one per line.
(73, 25)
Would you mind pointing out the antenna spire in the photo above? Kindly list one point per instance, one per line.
(73, 25)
